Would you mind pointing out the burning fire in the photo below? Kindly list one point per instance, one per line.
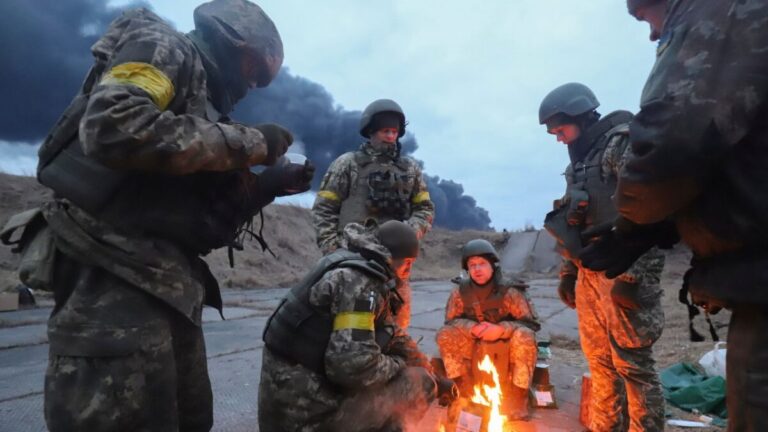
(491, 396)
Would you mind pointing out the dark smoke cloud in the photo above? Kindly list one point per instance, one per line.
(45, 50)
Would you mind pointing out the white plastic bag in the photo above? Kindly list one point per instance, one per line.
(713, 362)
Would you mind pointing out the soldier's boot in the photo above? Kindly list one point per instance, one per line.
(518, 404)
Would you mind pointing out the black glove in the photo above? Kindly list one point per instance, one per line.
(626, 294)
(447, 391)
(615, 247)
(567, 290)
(278, 139)
(285, 178)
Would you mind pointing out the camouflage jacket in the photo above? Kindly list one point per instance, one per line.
(345, 187)
(357, 302)
(647, 269)
(516, 310)
(699, 140)
(143, 113)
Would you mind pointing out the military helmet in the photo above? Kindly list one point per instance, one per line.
(243, 25)
(399, 238)
(478, 247)
(377, 107)
(571, 99)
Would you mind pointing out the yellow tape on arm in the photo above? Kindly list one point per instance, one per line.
(420, 197)
(144, 76)
(354, 321)
(328, 195)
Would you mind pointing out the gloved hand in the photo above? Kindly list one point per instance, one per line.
(626, 294)
(488, 332)
(447, 391)
(567, 290)
(278, 139)
(285, 178)
(615, 247)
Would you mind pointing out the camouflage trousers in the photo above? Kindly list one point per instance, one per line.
(617, 344)
(457, 346)
(294, 399)
(121, 360)
(403, 316)
(747, 369)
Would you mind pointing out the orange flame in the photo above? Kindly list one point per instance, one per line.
(491, 396)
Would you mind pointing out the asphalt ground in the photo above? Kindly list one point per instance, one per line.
(234, 357)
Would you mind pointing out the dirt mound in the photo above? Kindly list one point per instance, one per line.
(287, 229)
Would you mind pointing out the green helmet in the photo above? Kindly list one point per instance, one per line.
(399, 238)
(570, 99)
(478, 247)
(241, 24)
(377, 107)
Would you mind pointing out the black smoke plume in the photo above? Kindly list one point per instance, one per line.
(45, 50)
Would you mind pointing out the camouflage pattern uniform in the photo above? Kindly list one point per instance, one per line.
(365, 387)
(699, 157)
(343, 198)
(516, 315)
(616, 341)
(126, 346)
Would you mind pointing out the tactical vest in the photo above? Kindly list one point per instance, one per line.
(491, 309)
(299, 331)
(585, 178)
(380, 191)
(200, 211)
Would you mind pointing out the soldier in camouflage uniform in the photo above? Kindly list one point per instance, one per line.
(148, 175)
(698, 158)
(619, 319)
(334, 360)
(484, 307)
(377, 182)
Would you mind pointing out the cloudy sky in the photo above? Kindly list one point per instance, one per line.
(470, 76)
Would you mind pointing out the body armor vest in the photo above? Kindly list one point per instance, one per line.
(299, 331)
(379, 191)
(490, 309)
(585, 178)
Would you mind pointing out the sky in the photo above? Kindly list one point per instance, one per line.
(469, 75)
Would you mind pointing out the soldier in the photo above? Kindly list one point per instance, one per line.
(485, 307)
(149, 175)
(619, 320)
(698, 159)
(377, 182)
(333, 358)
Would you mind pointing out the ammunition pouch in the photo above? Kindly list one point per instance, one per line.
(578, 207)
(388, 194)
(32, 239)
(568, 236)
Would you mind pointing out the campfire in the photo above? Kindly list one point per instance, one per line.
(491, 396)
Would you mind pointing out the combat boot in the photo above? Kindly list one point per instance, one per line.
(518, 404)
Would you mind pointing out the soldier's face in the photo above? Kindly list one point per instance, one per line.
(566, 133)
(385, 136)
(254, 70)
(479, 269)
(654, 15)
(402, 267)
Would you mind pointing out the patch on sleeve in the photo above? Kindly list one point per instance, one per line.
(421, 197)
(329, 195)
(144, 76)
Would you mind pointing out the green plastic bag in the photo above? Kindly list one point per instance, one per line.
(688, 388)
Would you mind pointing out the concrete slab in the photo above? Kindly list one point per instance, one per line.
(234, 358)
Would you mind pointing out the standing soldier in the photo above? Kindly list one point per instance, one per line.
(619, 320)
(376, 182)
(333, 359)
(698, 158)
(149, 175)
(485, 307)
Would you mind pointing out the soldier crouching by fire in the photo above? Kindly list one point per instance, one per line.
(334, 359)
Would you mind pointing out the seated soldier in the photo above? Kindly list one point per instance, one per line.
(485, 308)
